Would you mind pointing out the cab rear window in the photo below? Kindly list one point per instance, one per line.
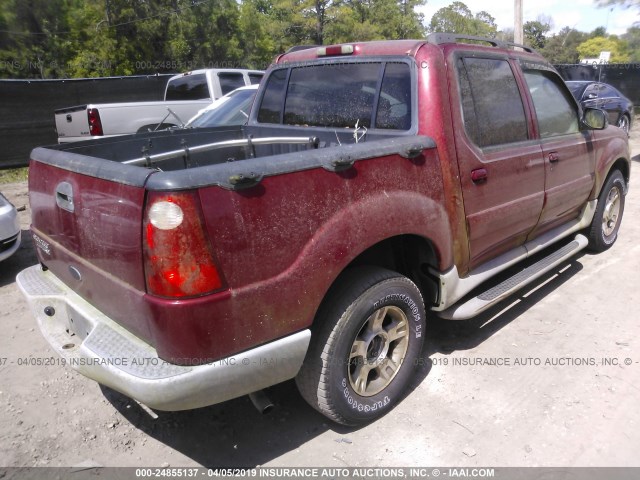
(371, 95)
(188, 87)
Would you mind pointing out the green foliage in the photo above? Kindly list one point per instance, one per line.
(623, 3)
(561, 48)
(632, 37)
(535, 33)
(458, 18)
(90, 38)
(592, 47)
(14, 175)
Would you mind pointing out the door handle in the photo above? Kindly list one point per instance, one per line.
(479, 175)
(554, 157)
(64, 196)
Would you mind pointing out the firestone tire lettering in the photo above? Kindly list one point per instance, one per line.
(329, 374)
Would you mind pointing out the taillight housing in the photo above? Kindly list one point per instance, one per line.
(95, 124)
(178, 258)
(335, 50)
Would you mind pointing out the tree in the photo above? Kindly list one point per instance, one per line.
(34, 39)
(535, 33)
(632, 37)
(457, 18)
(594, 46)
(376, 20)
(82, 38)
(561, 47)
(623, 3)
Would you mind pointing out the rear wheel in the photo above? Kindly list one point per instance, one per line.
(364, 351)
(606, 221)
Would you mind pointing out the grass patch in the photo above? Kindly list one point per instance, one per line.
(13, 175)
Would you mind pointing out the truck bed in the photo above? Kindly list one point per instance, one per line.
(88, 207)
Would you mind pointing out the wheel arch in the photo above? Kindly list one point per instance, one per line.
(409, 255)
(622, 165)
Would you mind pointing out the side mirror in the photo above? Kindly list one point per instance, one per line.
(594, 119)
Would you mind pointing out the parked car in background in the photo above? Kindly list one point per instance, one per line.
(10, 233)
(232, 109)
(601, 95)
(184, 96)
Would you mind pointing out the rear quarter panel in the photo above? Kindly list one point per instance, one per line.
(281, 244)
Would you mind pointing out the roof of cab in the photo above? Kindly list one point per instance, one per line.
(397, 47)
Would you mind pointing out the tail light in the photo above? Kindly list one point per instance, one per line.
(178, 258)
(95, 124)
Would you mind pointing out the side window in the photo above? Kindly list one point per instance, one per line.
(255, 78)
(188, 87)
(608, 92)
(230, 81)
(557, 113)
(271, 106)
(491, 102)
(394, 106)
(590, 92)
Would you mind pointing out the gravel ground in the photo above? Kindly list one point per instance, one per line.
(576, 407)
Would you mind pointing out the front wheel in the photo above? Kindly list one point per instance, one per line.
(606, 221)
(624, 123)
(366, 345)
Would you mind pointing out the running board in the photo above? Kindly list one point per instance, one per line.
(496, 294)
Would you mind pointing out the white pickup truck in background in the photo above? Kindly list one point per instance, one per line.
(184, 96)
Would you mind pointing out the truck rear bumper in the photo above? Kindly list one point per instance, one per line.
(98, 348)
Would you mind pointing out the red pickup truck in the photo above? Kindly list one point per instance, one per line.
(374, 185)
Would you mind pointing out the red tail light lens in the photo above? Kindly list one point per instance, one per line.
(95, 124)
(178, 257)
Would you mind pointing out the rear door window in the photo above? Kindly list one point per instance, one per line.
(491, 102)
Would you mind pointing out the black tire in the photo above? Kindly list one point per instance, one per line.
(606, 221)
(624, 123)
(351, 347)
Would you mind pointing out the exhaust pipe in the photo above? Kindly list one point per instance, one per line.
(261, 401)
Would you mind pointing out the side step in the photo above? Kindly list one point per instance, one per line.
(480, 303)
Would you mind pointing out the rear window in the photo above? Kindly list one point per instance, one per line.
(371, 95)
(188, 87)
(230, 81)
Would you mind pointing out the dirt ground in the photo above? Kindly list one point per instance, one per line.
(568, 397)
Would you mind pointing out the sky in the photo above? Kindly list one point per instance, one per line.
(583, 15)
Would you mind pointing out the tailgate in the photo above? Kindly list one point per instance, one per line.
(87, 230)
(72, 123)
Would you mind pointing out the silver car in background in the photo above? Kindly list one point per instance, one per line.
(10, 233)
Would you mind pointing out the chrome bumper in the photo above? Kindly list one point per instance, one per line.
(104, 351)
